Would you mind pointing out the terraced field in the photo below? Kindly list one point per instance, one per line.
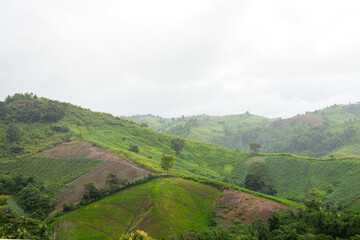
(161, 207)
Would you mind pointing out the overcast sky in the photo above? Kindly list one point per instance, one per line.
(173, 58)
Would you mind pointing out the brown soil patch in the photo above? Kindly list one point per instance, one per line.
(236, 206)
(113, 163)
(312, 119)
(78, 150)
(254, 160)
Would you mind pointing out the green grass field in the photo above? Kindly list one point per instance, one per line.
(161, 207)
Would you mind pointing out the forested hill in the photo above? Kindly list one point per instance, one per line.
(332, 131)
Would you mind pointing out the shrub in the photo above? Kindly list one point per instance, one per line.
(134, 148)
(138, 235)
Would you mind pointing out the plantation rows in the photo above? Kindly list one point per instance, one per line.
(333, 181)
(50, 171)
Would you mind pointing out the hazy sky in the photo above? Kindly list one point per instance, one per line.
(172, 58)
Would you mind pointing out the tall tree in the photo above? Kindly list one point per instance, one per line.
(167, 161)
(178, 145)
(254, 147)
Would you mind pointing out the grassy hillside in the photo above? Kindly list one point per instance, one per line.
(111, 133)
(336, 181)
(332, 131)
(162, 207)
(56, 122)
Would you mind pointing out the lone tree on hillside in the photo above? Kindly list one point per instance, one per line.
(254, 147)
(178, 145)
(167, 161)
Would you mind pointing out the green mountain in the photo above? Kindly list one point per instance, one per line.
(30, 125)
(332, 131)
(64, 147)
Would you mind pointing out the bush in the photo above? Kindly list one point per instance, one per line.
(134, 148)
(138, 235)
(17, 149)
(68, 207)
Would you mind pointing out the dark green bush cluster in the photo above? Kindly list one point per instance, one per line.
(28, 108)
(307, 223)
(14, 227)
(29, 194)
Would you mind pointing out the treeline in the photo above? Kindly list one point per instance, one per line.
(301, 139)
(113, 183)
(29, 194)
(306, 223)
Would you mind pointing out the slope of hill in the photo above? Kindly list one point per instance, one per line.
(162, 207)
(60, 122)
(331, 131)
(111, 133)
(335, 181)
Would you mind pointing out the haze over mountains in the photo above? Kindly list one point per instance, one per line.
(332, 131)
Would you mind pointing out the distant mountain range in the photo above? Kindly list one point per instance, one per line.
(329, 132)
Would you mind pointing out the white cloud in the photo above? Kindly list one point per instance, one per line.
(273, 58)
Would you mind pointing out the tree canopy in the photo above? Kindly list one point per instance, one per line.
(167, 161)
(254, 147)
(178, 145)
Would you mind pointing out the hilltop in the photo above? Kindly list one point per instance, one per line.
(329, 132)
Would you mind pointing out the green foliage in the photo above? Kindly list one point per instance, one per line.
(113, 182)
(144, 125)
(177, 145)
(28, 194)
(13, 133)
(167, 162)
(134, 148)
(138, 235)
(91, 193)
(33, 201)
(254, 147)
(4, 200)
(253, 182)
(12, 227)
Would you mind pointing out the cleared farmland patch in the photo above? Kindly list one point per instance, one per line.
(111, 163)
(55, 173)
(236, 207)
(161, 207)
